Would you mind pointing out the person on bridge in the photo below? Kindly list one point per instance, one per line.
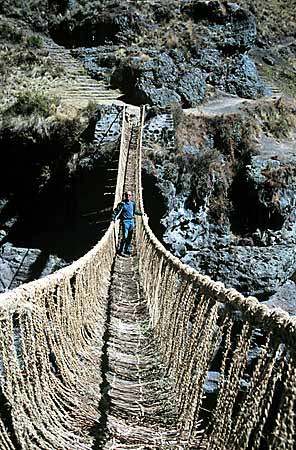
(126, 211)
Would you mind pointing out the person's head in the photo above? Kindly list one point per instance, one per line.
(128, 195)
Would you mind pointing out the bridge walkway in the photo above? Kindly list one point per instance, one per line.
(141, 411)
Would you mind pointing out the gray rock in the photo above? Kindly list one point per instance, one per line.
(191, 88)
(146, 93)
(20, 265)
(98, 61)
(273, 178)
(211, 383)
(234, 27)
(159, 128)
(3, 235)
(284, 298)
(211, 62)
(238, 32)
(243, 79)
(247, 269)
(157, 80)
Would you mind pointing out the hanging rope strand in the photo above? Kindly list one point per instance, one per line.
(51, 343)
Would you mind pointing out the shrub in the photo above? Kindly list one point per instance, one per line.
(28, 103)
(34, 41)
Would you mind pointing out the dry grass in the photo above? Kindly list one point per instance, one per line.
(275, 19)
(276, 118)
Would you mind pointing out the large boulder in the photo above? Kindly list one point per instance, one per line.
(274, 180)
(284, 298)
(236, 74)
(20, 265)
(238, 30)
(156, 79)
(191, 88)
(242, 78)
(255, 271)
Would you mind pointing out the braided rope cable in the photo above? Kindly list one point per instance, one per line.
(51, 333)
(188, 333)
(284, 432)
(5, 441)
(253, 414)
(51, 342)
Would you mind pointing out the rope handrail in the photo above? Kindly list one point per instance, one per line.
(50, 339)
(250, 307)
(201, 326)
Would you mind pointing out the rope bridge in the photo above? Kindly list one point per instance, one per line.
(115, 353)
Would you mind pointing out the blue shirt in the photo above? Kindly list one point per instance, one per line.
(128, 210)
(125, 210)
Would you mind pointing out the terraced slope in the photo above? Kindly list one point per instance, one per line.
(57, 73)
(75, 87)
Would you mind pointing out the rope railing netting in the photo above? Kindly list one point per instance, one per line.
(203, 328)
(50, 331)
(51, 340)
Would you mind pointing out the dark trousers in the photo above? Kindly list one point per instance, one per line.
(127, 234)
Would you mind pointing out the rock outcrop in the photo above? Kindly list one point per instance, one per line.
(158, 79)
(204, 50)
(228, 208)
(21, 265)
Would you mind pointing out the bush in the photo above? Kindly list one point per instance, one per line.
(28, 103)
(34, 41)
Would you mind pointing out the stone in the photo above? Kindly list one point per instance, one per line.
(284, 297)
(20, 265)
(242, 78)
(191, 87)
(247, 269)
(211, 384)
(148, 94)
(238, 32)
(155, 79)
(233, 27)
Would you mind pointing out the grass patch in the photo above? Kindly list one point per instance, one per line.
(282, 75)
(34, 41)
(275, 118)
(275, 18)
(28, 103)
(9, 32)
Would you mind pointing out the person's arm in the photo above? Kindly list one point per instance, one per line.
(116, 212)
(137, 212)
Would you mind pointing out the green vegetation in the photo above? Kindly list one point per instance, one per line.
(276, 118)
(9, 32)
(34, 41)
(275, 19)
(33, 11)
(282, 75)
(28, 103)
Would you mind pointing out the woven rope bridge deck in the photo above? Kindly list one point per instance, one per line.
(141, 408)
(142, 411)
(114, 352)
